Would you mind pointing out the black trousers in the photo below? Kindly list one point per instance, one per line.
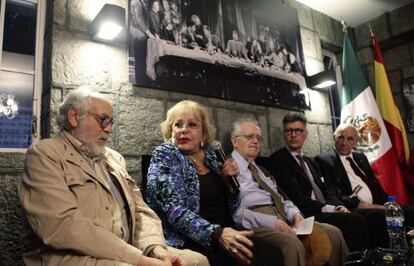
(352, 225)
(377, 229)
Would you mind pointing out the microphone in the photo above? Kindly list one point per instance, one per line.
(232, 182)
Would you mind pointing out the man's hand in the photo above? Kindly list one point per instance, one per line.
(363, 205)
(297, 219)
(281, 226)
(162, 256)
(342, 209)
(237, 244)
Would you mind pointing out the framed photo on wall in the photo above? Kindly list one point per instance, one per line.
(239, 50)
(408, 96)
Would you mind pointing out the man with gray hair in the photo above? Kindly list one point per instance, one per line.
(349, 174)
(81, 205)
(265, 208)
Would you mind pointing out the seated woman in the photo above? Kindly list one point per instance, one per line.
(187, 188)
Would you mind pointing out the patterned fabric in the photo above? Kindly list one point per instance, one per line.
(173, 192)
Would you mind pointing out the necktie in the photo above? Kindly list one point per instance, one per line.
(318, 193)
(280, 210)
(361, 174)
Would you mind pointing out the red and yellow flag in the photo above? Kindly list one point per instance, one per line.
(388, 108)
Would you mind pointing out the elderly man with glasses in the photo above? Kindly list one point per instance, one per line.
(81, 205)
(267, 210)
(300, 178)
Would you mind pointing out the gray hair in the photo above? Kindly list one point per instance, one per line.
(77, 99)
(236, 131)
(344, 126)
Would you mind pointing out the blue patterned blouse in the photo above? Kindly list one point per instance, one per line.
(173, 192)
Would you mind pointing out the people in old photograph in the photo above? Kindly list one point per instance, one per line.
(408, 92)
(188, 41)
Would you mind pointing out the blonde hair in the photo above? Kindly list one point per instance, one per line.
(196, 109)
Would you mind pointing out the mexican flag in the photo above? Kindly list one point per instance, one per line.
(360, 108)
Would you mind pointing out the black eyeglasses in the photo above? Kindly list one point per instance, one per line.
(103, 121)
(290, 131)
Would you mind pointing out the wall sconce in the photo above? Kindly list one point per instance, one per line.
(322, 80)
(108, 23)
(306, 96)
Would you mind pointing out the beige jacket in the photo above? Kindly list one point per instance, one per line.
(70, 209)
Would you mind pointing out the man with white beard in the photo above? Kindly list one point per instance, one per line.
(81, 205)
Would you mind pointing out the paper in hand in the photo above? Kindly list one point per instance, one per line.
(306, 226)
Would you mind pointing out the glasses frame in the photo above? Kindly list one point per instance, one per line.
(250, 136)
(298, 131)
(104, 122)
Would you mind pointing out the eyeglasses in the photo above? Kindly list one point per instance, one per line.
(250, 136)
(103, 121)
(189, 125)
(290, 131)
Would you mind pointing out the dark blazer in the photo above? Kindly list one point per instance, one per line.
(334, 172)
(293, 180)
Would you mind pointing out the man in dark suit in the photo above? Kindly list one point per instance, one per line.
(301, 180)
(349, 174)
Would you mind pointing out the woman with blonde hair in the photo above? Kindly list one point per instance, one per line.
(187, 188)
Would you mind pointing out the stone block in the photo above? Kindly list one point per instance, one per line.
(11, 221)
(365, 56)
(134, 167)
(370, 75)
(138, 124)
(59, 12)
(311, 44)
(397, 57)
(325, 137)
(78, 61)
(11, 162)
(312, 146)
(320, 106)
(394, 79)
(338, 33)
(408, 71)
(313, 66)
(379, 27)
(276, 128)
(323, 25)
(401, 19)
(304, 14)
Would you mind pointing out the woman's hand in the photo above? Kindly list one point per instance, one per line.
(230, 168)
(237, 244)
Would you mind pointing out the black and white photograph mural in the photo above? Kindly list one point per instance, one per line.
(241, 50)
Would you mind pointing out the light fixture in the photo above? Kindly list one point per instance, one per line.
(322, 80)
(8, 106)
(108, 23)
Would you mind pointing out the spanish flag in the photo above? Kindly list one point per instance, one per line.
(388, 109)
(360, 108)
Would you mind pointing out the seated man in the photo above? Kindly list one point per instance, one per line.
(345, 170)
(264, 206)
(82, 206)
(300, 178)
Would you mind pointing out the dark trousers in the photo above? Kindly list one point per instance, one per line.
(377, 229)
(270, 248)
(352, 225)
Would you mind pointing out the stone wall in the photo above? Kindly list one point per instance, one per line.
(75, 60)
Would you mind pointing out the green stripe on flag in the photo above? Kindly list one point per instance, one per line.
(354, 81)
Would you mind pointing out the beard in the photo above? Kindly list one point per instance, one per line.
(91, 144)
